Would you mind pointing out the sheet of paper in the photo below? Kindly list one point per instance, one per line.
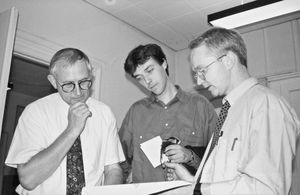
(151, 148)
(134, 189)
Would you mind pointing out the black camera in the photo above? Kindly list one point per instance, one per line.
(164, 145)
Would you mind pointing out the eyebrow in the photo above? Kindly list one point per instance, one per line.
(67, 82)
(149, 66)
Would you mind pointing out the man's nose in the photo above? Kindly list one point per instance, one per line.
(147, 80)
(77, 89)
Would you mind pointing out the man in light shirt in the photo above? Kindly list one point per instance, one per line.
(257, 141)
(49, 127)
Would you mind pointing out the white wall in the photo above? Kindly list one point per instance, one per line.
(75, 23)
(183, 71)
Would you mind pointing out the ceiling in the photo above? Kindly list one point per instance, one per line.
(172, 22)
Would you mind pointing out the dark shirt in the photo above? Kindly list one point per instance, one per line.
(189, 117)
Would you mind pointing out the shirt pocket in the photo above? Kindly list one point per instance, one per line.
(229, 151)
(191, 137)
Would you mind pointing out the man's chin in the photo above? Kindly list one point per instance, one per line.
(213, 91)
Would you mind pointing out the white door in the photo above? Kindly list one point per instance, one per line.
(8, 24)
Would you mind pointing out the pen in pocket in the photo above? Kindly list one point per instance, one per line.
(233, 143)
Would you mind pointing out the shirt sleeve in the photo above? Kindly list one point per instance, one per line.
(266, 163)
(28, 139)
(126, 136)
(114, 153)
(206, 119)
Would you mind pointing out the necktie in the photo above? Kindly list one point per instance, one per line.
(75, 172)
(220, 121)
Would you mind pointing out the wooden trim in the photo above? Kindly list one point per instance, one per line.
(296, 36)
(282, 76)
(39, 49)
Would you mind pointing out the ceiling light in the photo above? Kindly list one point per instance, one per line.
(252, 12)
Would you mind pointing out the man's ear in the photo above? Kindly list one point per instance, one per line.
(52, 80)
(230, 60)
(165, 64)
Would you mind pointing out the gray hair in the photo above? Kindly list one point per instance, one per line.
(68, 57)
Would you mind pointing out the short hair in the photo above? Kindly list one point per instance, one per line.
(67, 57)
(220, 39)
(141, 54)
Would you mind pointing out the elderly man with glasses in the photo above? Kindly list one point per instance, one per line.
(66, 140)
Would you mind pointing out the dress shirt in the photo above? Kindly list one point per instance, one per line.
(255, 152)
(44, 120)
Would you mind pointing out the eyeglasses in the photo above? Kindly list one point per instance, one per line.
(201, 72)
(69, 87)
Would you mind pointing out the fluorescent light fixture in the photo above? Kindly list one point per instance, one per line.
(252, 12)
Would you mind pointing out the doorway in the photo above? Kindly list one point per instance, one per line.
(27, 82)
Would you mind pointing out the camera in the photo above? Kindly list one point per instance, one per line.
(164, 145)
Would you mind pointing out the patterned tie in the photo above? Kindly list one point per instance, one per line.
(75, 172)
(221, 119)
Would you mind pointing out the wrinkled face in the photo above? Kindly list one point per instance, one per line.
(152, 76)
(210, 71)
(78, 74)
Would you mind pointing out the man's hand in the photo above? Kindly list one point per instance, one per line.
(178, 154)
(113, 174)
(178, 171)
(77, 117)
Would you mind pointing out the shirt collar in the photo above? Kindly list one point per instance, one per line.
(237, 92)
(180, 95)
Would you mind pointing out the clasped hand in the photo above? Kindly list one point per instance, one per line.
(178, 154)
(176, 171)
(77, 116)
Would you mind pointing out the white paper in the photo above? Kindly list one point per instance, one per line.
(152, 148)
(134, 189)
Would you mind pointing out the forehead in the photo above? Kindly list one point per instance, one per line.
(75, 72)
(201, 56)
(143, 67)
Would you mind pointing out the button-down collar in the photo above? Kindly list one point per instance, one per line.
(237, 92)
(179, 96)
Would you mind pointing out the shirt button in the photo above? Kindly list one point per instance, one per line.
(166, 107)
(141, 137)
(193, 133)
(166, 124)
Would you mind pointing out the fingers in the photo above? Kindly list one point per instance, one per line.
(179, 172)
(170, 165)
(176, 153)
(80, 109)
(77, 116)
(170, 175)
(173, 147)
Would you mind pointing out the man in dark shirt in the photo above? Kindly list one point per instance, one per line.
(167, 112)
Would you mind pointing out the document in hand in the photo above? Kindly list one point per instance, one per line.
(134, 189)
(152, 149)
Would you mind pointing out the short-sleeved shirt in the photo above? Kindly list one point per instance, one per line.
(44, 120)
(188, 116)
